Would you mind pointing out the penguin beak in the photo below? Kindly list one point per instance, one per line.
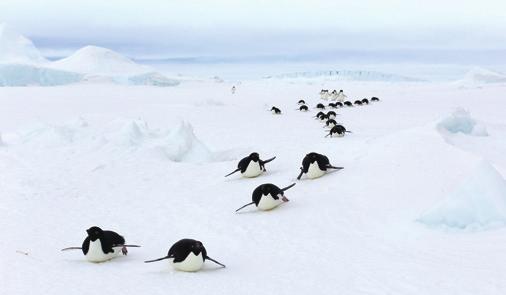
(284, 199)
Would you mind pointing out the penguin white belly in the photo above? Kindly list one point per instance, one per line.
(253, 169)
(337, 135)
(191, 263)
(95, 253)
(332, 117)
(267, 202)
(314, 171)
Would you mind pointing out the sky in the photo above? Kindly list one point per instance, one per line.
(187, 28)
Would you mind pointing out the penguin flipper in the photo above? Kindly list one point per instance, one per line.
(288, 187)
(300, 175)
(209, 258)
(71, 248)
(236, 170)
(334, 167)
(267, 161)
(245, 206)
(158, 259)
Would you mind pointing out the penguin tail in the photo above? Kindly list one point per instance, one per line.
(348, 131)
(238, 169)
(128, 246)
(209, 258)
(71, 248)
(245, 206)
(268, 160)
(334, 167)
(328, 135)
(158, 259)
(288, 187)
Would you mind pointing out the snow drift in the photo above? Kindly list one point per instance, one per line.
(345, 75)
(121, 137)
(460, 121)
(478, 203)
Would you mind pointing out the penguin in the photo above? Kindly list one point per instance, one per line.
(251, 166)
(339, 104)
(187, 255)
(337, 130)
(331, 123)
(301, 102)
(322, 117)
(315, 165)
(332, 105)
(365, 101)
(374, 98)
(320, 106)
(331, 115)
(333, 95)
(102, 245)
(233, 89)
(319, 114)
(303, 108)
(268, 196)
(276, 111)
(348, 103)
(324, 94)
(358, 102)
(341, 96)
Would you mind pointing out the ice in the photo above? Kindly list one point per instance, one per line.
(482, 76)
(460, 121)
(15, 48)
(32, 75)
(344, 75)
(478, 203)
(153, 79)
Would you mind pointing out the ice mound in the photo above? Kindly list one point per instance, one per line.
(483, 76)
(15, 48)
(344, 75)
(30, 75)
(478, 203)
(460, 121)
(122, 137)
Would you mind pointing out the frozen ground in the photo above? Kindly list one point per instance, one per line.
(149, 163)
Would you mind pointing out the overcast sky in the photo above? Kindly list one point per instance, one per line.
(166, 28)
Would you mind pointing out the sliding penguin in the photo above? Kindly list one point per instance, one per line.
(348, 103)
(276, 111)
(187, 255)
(251, 166)
(302, 102)
(374, 98)
(331, 115)
(337, 130)
(320, 106)
(303, 108)
(102, 245)
(315, 165)
(268, 196)
(365, 101)
(331, 123)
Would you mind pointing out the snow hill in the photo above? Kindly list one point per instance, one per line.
(21, 64)
(346, 75)
(15, 48)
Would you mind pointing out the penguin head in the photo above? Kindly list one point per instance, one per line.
(254, 157)
(94, 233)
(197, 247)
(341, 91)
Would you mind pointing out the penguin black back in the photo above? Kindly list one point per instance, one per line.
(374, 98)
(320, 106)
(244, 162)
(348, 103)
(275, 110)
(108, 239)
(302, 101)
(303, 108)
(358, 102)
(365, 101)
(339, 104)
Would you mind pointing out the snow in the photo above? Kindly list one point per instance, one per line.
(477, 76)
(460, 121)
(15, 48)
(478, 203)
(127, 159)
(99, 60)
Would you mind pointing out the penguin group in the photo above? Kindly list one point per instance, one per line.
(189, 255)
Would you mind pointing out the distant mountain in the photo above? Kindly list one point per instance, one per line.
(484, 76)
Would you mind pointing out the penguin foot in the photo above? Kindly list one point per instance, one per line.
(124, 250)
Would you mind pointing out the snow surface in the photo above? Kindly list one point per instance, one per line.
(121, 158)
(478, 203)
(345, 75)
